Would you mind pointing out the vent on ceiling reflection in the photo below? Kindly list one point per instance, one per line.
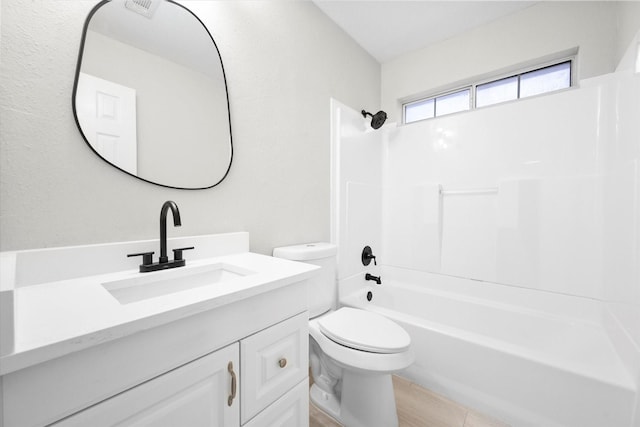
(145, 8)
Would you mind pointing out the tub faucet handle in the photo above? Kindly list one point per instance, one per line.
(367, 256)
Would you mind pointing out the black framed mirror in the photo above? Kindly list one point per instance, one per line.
(150, 94)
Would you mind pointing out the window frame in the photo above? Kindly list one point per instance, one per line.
(473, 87)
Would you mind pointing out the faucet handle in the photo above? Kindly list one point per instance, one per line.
(367, 256)
(147, 257)
(177, 252)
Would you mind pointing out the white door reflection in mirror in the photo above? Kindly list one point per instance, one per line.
(108, 113)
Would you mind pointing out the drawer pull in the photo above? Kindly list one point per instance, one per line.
(282, 362)
(233, 384)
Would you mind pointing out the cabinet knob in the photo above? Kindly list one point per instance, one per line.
(282, 362)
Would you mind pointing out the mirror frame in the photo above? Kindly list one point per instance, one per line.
(75, 88)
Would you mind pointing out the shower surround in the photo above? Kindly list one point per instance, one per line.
(529, 202)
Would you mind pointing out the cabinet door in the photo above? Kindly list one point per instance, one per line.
(273, 361)
(196, 394)
(291, 410)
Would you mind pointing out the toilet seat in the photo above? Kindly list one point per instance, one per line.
(365, 331)
(359, 360)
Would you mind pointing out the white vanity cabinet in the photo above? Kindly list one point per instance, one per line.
(264, 374)
(178, 374)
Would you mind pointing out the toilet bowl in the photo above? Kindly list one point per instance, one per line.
(352, 352)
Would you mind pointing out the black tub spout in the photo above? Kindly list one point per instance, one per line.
(376, 279)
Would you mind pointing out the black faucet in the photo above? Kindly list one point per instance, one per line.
(163, 227)
(163, 262)
(376, 279)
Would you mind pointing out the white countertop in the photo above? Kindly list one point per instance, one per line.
(60, 317)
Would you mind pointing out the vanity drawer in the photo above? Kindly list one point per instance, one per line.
(292, 409)
(272, 362)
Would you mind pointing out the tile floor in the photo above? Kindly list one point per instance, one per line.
(418, 407)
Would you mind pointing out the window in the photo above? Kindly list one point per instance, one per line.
(541, 80)
(497, 91)
(546, 79)
(453, 102)
(420, 110)
(438, 106)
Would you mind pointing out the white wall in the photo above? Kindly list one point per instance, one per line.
(284, 60)
(628, 25)
(546, 28)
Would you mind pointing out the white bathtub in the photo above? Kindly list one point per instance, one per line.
(526, 357)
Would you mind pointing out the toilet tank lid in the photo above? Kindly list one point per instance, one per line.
(307, 251)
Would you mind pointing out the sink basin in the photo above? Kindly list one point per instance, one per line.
(151, 285)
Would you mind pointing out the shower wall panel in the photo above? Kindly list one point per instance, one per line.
(356, 163)
(523, 191)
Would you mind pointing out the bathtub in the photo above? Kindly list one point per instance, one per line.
(528, 358)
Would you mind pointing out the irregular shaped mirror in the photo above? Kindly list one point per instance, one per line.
(150, 95)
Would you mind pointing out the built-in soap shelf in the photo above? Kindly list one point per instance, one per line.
(468, 191)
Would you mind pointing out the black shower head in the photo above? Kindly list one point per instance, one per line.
(377, 119)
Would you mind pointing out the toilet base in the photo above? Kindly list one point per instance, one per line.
(367, 400)
(328, 403)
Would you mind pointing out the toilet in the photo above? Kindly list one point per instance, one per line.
(352, 352)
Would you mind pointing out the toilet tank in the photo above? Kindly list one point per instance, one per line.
(323, 287)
